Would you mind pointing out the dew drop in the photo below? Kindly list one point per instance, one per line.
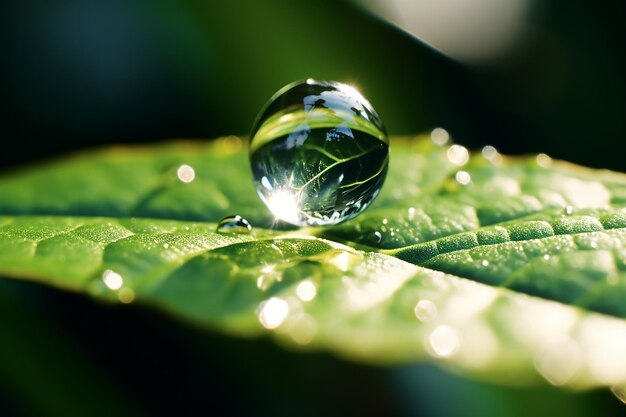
(463, 177)
(440, 136)
(378, 236)
(112, 279)
(425, 310)
(234, 224)
(458, 155)
(485, 262)
(185, 173)
(273, 312)
(543, 160)
(319, 153)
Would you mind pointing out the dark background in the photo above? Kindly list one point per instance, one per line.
(78, 74)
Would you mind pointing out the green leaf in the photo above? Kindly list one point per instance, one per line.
(508, 269)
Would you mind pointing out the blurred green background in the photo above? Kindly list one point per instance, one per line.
(78, 74)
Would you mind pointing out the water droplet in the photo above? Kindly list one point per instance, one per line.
(425, 310)
(306, 290)
(112, 279)
(378, 236)
(126, 295)
(568, 210)
(463, 177)
(444, 340)
(440, 136)
(489, 152)
(166, 245)
(273, 312)
(543, 160)
(234, 224)
(458, 155)
(411, 213)
(186, 173)
(485, 262)
(319, 153)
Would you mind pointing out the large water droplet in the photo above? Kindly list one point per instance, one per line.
(319, 153)
(234, 224)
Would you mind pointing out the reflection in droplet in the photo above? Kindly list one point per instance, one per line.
(485, 262)
(458, 155)
(378, 236)
(234, 224)
(186, 173)
(112, 279)
(273, 312)
(306, 290)
(425, 310)
(166, 245)
(463, 177)
(126, 295)
(543, 160)
(439, 136)
(444, 340)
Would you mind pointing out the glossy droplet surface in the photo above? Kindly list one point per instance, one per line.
(234, 224)
(319, 153)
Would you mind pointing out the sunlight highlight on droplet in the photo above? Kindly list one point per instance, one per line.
(112, 279)
(306, 290)
(186, 173)
(284, 206)
(273, 312)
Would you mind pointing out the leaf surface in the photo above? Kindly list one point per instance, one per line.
(510, 269)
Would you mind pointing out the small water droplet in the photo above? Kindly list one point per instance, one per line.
(425, 310)
(546, 257)
(440, 136)
(543, 160)
(273, 312)
(568, 210)
(306, 290)
(318, 153)
(112, 279)
(485, 262)
(411, 213)
(166, 245)
(385, 221)
(489, 152)
(186, 173)
(444, 340)
(458, 155)
(234, 224)
(463, 177)
(378, 236)
(126, 295)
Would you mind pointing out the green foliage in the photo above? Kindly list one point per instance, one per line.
(509, 269)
